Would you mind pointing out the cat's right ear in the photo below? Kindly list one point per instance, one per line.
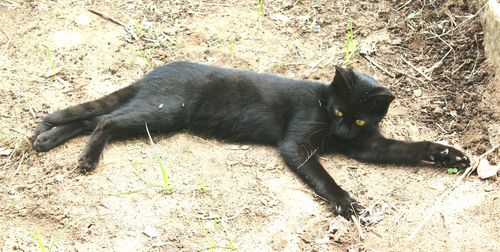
(343, 82)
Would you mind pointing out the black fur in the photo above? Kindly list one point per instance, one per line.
(299, 117)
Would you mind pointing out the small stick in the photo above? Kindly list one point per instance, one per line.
(408, 75)
(467, 172)
(106, 17)
(358, 227)
(373, 62)
(8, 42)
(416, 69)
(19, 165)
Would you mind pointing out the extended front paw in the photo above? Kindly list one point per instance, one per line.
(448, 156)
(347, 207)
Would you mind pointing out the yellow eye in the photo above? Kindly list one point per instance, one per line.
(360, 122)
(338, 113)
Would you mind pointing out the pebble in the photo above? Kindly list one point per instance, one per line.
(150, 232)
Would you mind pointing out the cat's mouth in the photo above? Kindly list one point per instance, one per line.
(345, 132)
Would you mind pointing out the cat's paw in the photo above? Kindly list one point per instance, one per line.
(86, 163)
(347, 207)
(44, 141)
(39, 130)
(448, 156)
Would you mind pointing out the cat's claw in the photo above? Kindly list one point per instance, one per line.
(449, 157)
(86, 164)
(347, 207)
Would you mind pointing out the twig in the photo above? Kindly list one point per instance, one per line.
(311, 69)
(19, 165)
(467, 172)
(8, 42)
(407, 75)
(416, 69)
(373, 62)
(106, 17)
(358, 227)
(463, 22)
(307, 159)
(488, 152)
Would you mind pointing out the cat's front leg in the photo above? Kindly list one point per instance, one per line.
(304, 162)
(389, 151)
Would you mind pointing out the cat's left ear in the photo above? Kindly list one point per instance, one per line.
(380, 100)
(343, 81)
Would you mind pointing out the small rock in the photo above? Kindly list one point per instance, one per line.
(5, 151)
(82, 20)
(150, 232)
(245, 147)
(232, 163)
(417, 92)
(280, 17)
(453, 113)
(485, 170)
(287, 4)
(438, 111)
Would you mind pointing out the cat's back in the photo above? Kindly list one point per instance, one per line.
(185, 74)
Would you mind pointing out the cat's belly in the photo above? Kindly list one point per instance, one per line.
(247, 125)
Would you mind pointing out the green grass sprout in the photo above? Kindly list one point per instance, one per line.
(232, 46)
(452, 170)
(164, 174)
(53, 239)
(39, 241)
(50, 58)
(259, 9)
(349, 44)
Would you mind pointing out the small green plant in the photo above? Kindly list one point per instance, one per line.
(164, 174)
(259, 8)
(452, 170)
(50, 59)
(349, 44)
(232, 245)
(53, 240)
(202, 187)
(148, 54)
(137, 27)
(232, 46)
(4, 137)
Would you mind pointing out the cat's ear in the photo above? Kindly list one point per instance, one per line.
(379, 100)
(343, 82)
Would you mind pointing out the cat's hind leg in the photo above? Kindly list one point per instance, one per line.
(129, 122)
(57, 135)
(86, 110)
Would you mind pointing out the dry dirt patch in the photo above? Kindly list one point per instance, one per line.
(225, 196)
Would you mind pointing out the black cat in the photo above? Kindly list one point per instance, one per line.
(301, 118)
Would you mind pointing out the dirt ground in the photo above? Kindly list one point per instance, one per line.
(231, 197)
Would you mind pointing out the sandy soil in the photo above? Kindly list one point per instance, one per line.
(225, 196)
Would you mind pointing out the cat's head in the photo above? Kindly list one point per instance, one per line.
(356, 103)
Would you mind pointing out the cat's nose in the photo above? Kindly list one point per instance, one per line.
(343, 132)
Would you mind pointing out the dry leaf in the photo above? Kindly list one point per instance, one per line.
(486, 170)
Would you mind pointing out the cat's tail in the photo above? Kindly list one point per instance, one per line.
(90, 109)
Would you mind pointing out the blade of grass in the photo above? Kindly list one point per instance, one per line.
(259, 8)
(57, 237)
(164, 174)
(349, 44)
(39, 241)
